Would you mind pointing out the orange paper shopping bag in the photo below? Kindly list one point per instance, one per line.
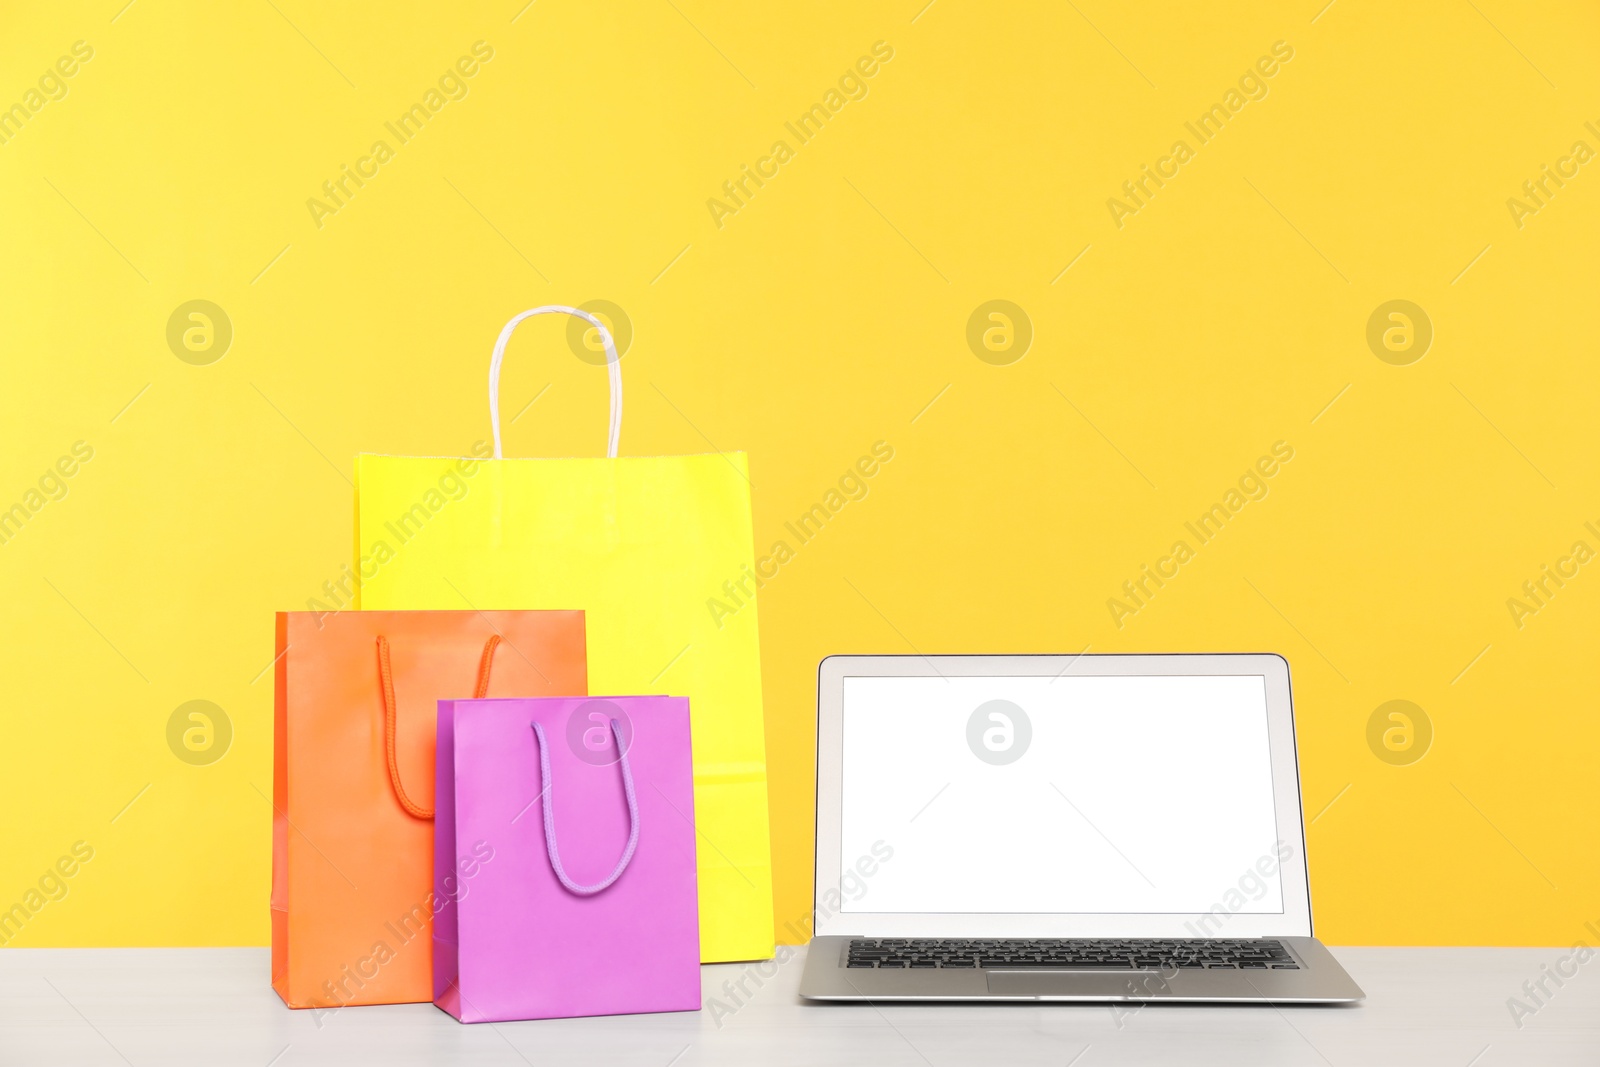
(352, 782)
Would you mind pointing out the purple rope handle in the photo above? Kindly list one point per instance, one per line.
(550, 817)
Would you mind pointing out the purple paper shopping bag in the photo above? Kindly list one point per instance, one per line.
(564, 855)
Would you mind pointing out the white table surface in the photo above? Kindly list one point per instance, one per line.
(1424, 1006)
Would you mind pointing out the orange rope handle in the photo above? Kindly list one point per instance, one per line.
(485, 662)
(386, 678)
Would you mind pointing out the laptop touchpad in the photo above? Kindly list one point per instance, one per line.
(1063, 984)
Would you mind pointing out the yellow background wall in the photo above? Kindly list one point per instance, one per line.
(1228, 313)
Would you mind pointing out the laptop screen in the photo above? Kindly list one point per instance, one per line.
(1099, 795)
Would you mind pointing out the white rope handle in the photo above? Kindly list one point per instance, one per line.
(613, 369)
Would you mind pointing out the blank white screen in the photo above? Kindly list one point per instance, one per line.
(1133, 795)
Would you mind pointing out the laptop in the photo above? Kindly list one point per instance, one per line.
(1062, 828)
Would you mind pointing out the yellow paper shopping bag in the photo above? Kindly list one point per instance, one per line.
(640, 544)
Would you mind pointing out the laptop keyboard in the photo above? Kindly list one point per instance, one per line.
(889, 953)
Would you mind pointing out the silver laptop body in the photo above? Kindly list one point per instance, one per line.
(1104, 828)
